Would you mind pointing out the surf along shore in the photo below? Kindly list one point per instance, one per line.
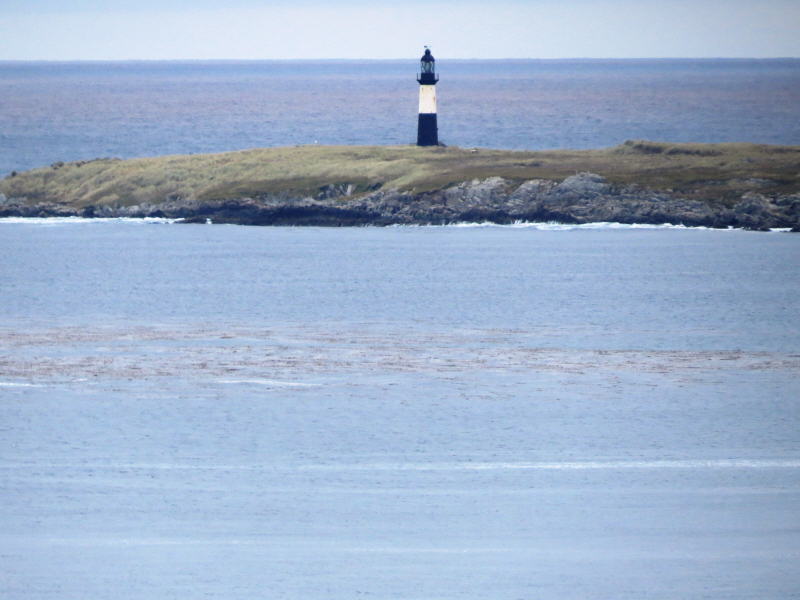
(743, 185)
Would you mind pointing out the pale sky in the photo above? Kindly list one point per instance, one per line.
(302, 29)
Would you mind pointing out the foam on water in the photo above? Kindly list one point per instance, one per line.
(85, 221)
(743, 463)
(611, 465)
(554, 226)
(599, 225)
(106, 542)
(269, 382)
(538, 226)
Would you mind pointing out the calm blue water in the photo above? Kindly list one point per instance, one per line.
(70, 111)
(452, 413)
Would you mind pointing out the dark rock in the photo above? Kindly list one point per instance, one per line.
(335, 191)
(581, 198)
(582, 185)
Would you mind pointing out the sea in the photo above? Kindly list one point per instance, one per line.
(536, 411)
(51, 111)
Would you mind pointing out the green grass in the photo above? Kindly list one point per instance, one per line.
(717, 173)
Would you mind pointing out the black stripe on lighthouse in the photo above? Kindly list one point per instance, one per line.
(427, 129)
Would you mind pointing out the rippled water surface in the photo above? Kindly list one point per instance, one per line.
(440, 412)
(70, 111)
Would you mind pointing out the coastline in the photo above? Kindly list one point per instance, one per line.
(744, 186)
(538, 226)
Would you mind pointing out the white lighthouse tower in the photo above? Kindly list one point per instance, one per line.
(427, 130)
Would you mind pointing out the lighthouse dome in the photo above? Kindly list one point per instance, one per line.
(427, 70)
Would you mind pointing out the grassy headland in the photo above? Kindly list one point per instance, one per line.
(717, 174)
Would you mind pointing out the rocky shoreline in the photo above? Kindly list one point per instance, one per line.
(580, 198)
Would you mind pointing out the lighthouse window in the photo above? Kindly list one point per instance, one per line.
(427, 66)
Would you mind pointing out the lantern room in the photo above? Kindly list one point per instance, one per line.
(427, 69)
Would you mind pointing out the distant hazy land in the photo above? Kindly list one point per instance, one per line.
(715, 185)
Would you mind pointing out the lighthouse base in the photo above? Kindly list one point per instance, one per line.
(427, 130)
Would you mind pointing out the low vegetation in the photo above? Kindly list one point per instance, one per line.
(715, 173)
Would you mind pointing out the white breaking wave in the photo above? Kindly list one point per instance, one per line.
(517, 225)
(18, 384)
(269, 382)
(552, 226)
(84, 221)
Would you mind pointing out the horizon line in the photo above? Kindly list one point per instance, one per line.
(342, 59)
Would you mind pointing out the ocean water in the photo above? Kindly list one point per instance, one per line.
(410, 412)
(71, 111)
(540, 411)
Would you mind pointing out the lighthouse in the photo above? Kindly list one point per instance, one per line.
(427, 131)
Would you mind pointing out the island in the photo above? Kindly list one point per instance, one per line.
(742, 185)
